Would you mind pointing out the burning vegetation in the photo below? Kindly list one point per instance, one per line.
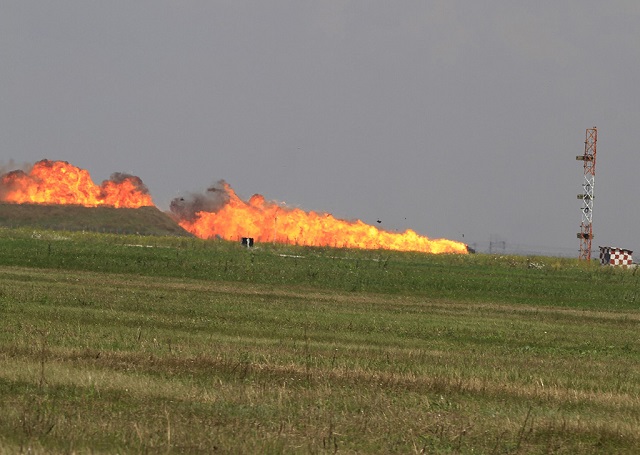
(217, 213)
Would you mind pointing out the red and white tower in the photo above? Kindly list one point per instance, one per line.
(589, 158)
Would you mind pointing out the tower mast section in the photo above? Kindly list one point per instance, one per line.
(589, 159)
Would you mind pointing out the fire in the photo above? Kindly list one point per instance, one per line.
(221, 213)
(58, 182)
(218, 213)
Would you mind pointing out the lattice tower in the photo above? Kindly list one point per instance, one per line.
(589, 159)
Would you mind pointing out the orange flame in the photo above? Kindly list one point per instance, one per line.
(221, 213)
(231, 218)
(58, 182)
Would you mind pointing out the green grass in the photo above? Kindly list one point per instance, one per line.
(130, 344)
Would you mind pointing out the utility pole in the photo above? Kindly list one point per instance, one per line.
(589, 159)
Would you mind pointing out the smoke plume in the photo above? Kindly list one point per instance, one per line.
(120, 177)
(215, 197)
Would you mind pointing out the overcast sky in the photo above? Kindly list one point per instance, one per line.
(453, 118)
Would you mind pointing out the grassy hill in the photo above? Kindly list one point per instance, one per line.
(143, 221)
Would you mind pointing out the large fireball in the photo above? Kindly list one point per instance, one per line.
(58, 182)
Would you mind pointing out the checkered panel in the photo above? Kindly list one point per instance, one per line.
(615, 256)
(620, 258)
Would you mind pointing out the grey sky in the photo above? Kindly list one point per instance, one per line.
(447, 117)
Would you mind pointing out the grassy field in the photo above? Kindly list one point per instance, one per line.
(131, 344)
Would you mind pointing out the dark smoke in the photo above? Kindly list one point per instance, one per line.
(9, 173)
(119, 177)
(8, 179)
(13, 166)
(185, 208)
